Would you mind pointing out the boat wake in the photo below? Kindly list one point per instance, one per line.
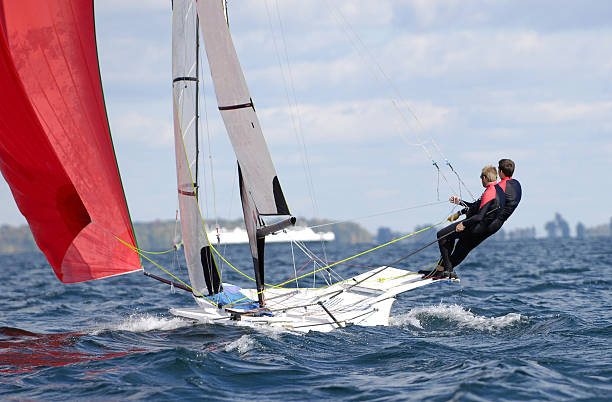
(138, 323)
(148, 322)
(241, 345)
(422, 317)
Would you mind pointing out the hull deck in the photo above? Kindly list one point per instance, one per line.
(365, 299)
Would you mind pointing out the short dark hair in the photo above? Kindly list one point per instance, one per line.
(506, 166)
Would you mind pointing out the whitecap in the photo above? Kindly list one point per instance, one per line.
(456, 314)
(146, 323)
(241, 345)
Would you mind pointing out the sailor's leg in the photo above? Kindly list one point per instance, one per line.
(446, 242)
(463, 248)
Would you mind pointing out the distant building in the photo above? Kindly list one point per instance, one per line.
(580, 230)
(384, 235)
(521, 234)
(500, 235)
(557, 227)
(604, 230)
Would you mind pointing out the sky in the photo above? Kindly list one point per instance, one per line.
(357, 97)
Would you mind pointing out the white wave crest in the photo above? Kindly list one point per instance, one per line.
(457, 314)
(147, 322)
(241, 345)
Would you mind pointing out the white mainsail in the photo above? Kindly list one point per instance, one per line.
(260, 190)
(203, 273)
(238, 112)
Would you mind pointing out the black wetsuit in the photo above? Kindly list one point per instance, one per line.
(513, 193)
(480, 215)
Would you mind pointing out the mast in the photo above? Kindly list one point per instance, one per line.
(197, 107)
(260, 189)
(203, 272)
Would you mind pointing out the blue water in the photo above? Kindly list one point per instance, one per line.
(531, 320)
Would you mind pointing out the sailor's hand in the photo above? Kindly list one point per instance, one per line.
(454, 217)
(460, 227)
(455, 200)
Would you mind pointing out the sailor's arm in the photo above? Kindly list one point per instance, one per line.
(470, 207)
(480, 215)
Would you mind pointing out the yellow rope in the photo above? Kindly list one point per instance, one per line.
(136, 249)
(228, 263)
(360, 254)
(339, 262)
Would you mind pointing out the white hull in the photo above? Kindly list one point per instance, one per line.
(367, 303)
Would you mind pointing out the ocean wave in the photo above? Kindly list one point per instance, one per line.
(146, 323)
(456, 314)
(242, 344)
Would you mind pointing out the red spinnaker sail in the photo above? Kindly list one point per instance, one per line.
(56, 151)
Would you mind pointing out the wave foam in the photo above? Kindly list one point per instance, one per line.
(457, 314)
(146, 323)
(241, 345)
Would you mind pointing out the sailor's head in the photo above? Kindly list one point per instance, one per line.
(506, 168)
(488, 175)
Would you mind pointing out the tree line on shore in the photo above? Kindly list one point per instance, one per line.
(161, 235)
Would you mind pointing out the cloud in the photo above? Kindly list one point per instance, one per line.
(371, 120)
(120, 6)
(474, 53)
(299, 14)
(560, 115)
(144, 129)
(430, 11)
(492, 155)
(378, 193)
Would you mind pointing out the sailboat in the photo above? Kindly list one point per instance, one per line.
(57, 156)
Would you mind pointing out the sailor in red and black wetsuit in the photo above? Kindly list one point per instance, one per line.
(512, 191)
(474, 229)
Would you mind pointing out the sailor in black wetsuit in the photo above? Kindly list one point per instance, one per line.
(474, 229)
(512, 191)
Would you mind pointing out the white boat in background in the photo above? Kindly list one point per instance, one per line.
(240, 236)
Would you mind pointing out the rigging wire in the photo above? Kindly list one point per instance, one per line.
(360, 218)
(290, 93)
(397, 98)
(294, 267)
(289, 89)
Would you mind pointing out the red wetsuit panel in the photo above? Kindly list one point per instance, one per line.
(503, 183)
(488, 195)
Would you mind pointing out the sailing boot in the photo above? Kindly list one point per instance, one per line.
(450, 274)
(437, 273)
